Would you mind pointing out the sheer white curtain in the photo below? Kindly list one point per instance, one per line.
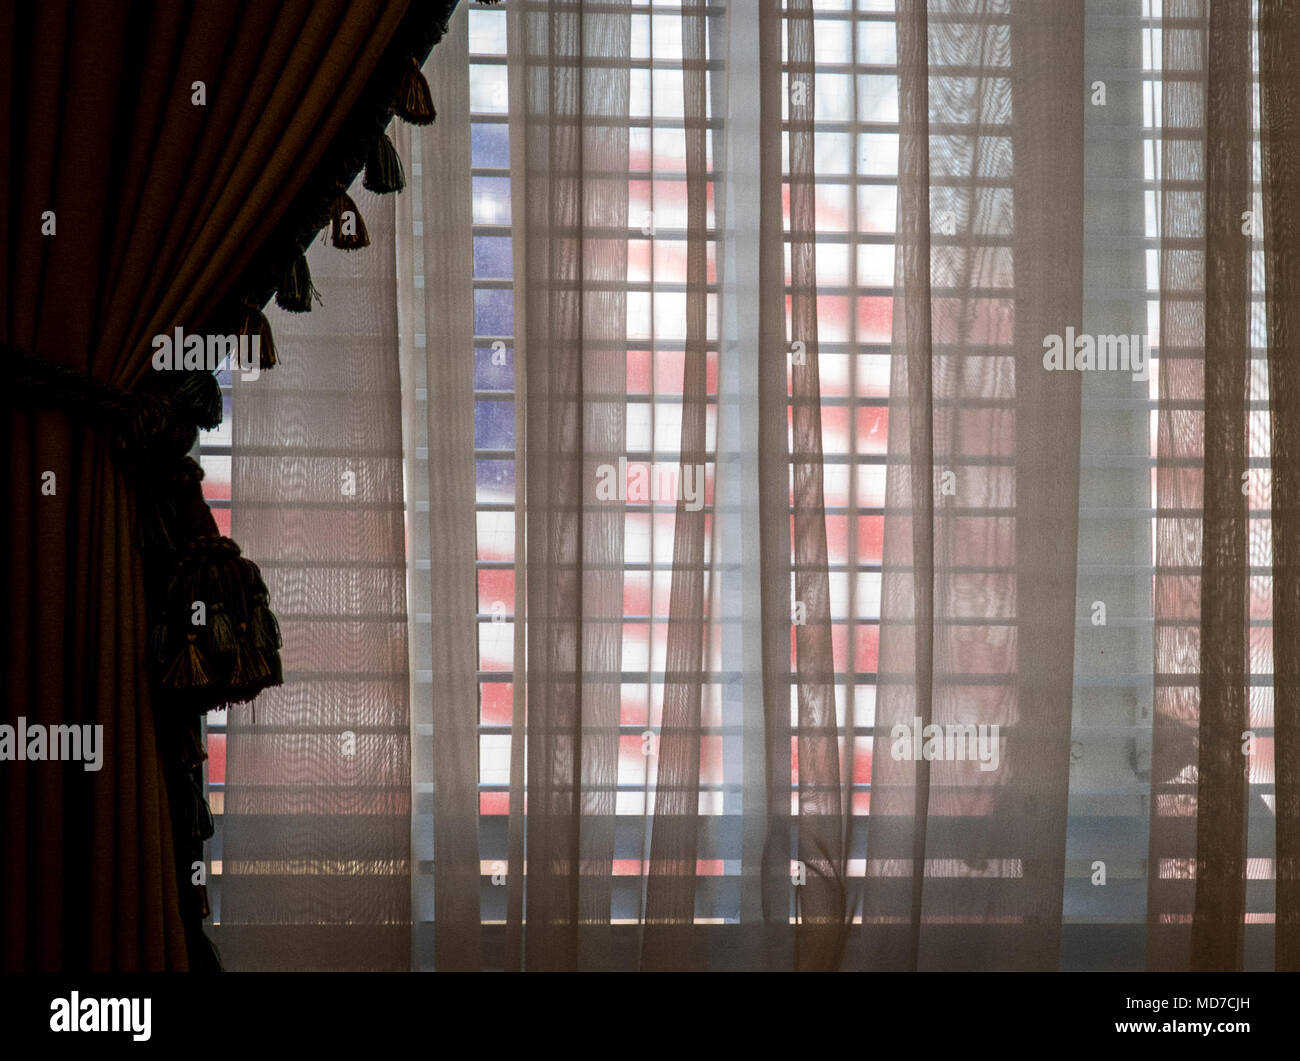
(315, 858)
(728, 448)
(435, 266)
(676, 253)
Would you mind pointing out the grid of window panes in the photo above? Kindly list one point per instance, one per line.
(494, 426)
(1260, 871)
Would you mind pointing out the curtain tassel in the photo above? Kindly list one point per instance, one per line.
(383, 167)
(158, 643)
(238, 674)
(202, 396)
(252, 663)
(414, 102)
(223, 631)
(265, 627)
(349, 230)
(296, 289)
(255, 323)
(187, 672)
(230, 651)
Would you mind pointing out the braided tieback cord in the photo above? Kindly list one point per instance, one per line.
(141, 423)
(213, 640)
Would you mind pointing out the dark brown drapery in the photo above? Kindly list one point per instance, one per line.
(162, 209)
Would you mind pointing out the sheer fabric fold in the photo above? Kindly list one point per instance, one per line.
(1197, 866)
(965, 864)
(316, 832)
(569, 152)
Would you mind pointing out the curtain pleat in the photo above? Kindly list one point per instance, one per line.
(965, 865)
(570, 186)
(671, 876)
(820, 899)
(773, 471)
(904, 684)
(1224, 671)
(446, 368)
(1197, 881)
(1279, 77)
(1028, 820)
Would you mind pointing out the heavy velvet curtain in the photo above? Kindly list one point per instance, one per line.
(158, 207)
